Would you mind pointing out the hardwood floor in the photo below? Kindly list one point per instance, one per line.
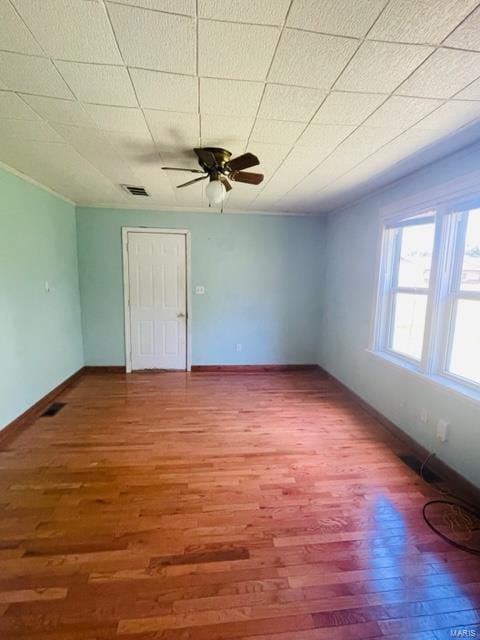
(210, 506)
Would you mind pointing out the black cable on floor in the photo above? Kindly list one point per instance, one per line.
(458, 509)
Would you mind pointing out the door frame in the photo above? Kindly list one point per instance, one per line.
(126, 290)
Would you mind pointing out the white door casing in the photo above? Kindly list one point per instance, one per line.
(155, 277)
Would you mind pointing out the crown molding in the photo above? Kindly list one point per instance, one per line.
(177, 209)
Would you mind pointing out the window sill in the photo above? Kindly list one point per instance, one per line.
(441, 382)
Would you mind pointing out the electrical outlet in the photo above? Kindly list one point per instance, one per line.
(199, 290)
(424, 416)
(238, 347)
(442, 430)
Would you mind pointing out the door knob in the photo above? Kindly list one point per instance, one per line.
(180, 315)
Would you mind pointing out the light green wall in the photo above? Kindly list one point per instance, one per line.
(351, 237)
(261, 274)
(40, 337)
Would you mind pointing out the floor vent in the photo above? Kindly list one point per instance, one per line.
(53, 409)
(135, 191)
(415, 464)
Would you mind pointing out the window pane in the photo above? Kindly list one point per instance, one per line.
(409, 324)
(465, 355)
(470, 280)
(416, 255)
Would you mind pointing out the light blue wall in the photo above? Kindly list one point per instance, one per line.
(261, 274)
(351, 238)
(40, 336)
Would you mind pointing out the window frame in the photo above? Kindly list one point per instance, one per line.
(443, 293)
(455, 294)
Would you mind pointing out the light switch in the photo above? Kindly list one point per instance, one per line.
(199, 290)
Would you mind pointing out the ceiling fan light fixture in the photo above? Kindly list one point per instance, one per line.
(216, 192)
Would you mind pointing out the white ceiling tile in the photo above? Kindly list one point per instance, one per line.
(348, 108)
(57, 110)
(421, 21)
(184, 7)
(298, 104)
(467, 35)
(155, 181)
(223, 130)
(32, 75)
(275, 189)
(175, 157)
(134, 147)
(310, 59)
(443, 74)
(299, 163)
(193, 195)
(257, 12)
(99, 83)
(402, 112)
(71, 30)
(165, 91)
(472, 92)
(241, 196)
(154, 40)
(407, 143)
(14, 35)
(363, 142)
(95, 148)
(230, 97)
(339, 17)
(116, 118)
(452, 115)
(330, 169)
(325, 137)
(270, 155)
(242, 193)
(416, 138)
(236, 51)
(11, 106)
(177, 131)
(34, 130)
(60, 167)
(381, 66)
(276, 131)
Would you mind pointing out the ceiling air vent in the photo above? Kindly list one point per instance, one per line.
(135, 191)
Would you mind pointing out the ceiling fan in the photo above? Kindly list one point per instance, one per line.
(219, 166)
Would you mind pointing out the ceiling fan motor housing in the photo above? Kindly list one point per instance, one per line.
(222, 156)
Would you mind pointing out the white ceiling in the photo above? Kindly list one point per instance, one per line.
(334, 96)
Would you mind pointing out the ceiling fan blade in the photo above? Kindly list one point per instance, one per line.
(206, 158)
(186, 184)
(181, 169)
(246, 176)
(243, 162)
(225, 183)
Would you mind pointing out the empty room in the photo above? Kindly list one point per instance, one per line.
(239, 319)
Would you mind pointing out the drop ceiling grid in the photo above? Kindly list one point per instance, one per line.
(116, 99)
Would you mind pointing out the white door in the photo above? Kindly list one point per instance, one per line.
(157, 300)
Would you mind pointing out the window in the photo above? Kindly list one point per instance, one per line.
(428, 311)
(464, 348)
